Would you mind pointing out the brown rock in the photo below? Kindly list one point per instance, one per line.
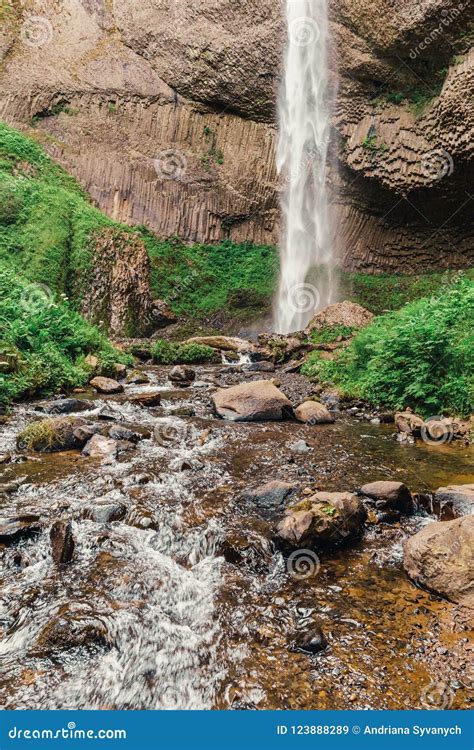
(182, 375)
(100, 446)
(392, 498)
(251, 402)
(346, 313)
(312, 412)
(324, 520)
(409, 423)
(162, 314)
(440, 557)
(454, 501)
(106, 385)
(147, 398)
(62, 542)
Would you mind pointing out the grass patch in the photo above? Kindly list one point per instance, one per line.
(168, 353)
(200, 280)
(421, 356)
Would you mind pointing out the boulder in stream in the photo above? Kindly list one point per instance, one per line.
(100, 446)
(440, 557)
(325, 520)
(62, 542)
(49, 435)
(107, 386)
(311, 641)
(13, 530)
(392, 499)
(312, 413)
(64, 406)
(270, 496)
(258, 401)
(182, 375)
(454, 501)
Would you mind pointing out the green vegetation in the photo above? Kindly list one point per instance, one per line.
(200, 280)
(331, 334)
(370, 143)
(44, 343)
(168, 353)
(421, 356)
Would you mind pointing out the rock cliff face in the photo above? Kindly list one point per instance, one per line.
(165, 111)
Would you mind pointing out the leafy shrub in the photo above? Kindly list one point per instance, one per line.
(45, 341)
(169, 353)
(421, 356)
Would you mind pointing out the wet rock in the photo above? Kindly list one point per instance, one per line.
(147, 399)
(181, 411)
(311, 641)
(408, 423)
(390, 498)
(252, 402)
(300, 446)
(106, 511)
(346, 313)
(106, 385)
(49, 435)
(182, 375)
(118, 432)
(454, 501)
(141, 518)
(270, 496)
(83, 433)
(8, 488)
(107, 413)
(440, 557)
(14, 529)
(137, 378)
(312, 412)
(125, 446)
(5, 458)
(280, 347)
(76, 625)
(62, 542)
(248, 545)
(64, 406)
(100, 447)
(324, 520)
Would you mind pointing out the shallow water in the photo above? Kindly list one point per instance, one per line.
(152, 614)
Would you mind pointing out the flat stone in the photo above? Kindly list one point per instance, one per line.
(12, 530)
(64, 406)
(107, 386)
(100, 447)
(454, 501)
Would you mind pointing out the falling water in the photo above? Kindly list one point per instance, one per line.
(301, 162)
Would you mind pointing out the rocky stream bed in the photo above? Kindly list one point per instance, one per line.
(176, 593)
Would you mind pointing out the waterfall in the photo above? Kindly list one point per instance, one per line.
(301, 161)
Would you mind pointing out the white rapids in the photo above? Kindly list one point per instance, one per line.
(301, 161)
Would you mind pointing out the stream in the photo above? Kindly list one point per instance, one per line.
(183, 602)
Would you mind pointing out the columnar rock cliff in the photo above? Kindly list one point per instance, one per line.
(165, 112)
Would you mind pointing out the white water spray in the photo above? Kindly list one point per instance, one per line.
(301, 162)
